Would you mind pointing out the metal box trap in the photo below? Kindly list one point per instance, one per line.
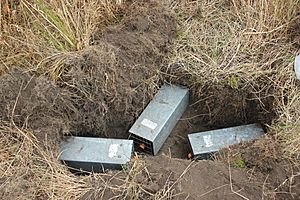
(204, 143)
(156, 122)
(95, 154)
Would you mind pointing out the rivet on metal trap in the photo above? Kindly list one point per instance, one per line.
(156, 122)
(204, 143)
(95, 154)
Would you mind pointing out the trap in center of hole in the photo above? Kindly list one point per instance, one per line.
(159, 118)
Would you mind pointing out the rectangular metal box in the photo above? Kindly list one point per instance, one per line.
(156, 122)
(95, 154)
(204, 143)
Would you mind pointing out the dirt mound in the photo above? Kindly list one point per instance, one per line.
(115, 78)
(35, 103)
(200, 180)
(180, 179)
(162, 177)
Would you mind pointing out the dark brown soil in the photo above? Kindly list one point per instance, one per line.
(211, 180)
(176, 145)
(201, 180)
(113, 80)
(169, 178)
(36, 104)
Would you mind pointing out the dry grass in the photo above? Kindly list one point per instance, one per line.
(24, 164)
(235, 42)
(288, 126)
(41, 35)
(27, 166)
(242, 44)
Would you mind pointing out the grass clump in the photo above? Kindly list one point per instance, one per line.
(239, 163)
(235, 40)
(41, 35)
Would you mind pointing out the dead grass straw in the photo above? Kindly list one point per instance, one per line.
(41, 35)
(25, 165)
(243, 45)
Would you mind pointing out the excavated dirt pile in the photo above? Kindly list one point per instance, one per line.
(103, 88)
(115, 78)
(37, 104)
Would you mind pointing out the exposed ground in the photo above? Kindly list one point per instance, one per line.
(89, 68)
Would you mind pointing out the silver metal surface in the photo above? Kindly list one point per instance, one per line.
(95, 154)
(156, 122)
(204, 143)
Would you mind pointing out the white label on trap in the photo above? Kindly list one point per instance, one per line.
(112, 151)
(207, 140)
(148, 123)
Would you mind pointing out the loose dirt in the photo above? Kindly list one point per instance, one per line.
(213, 180)
(37, 104)
(162, 177)
(113, 80)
